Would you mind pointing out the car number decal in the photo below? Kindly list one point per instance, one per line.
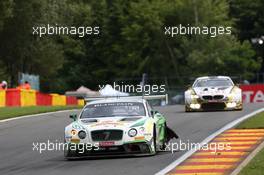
(107, 143)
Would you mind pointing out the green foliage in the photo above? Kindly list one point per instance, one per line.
(131, 41)
(6, 8)
(249, 19)
(21, 51)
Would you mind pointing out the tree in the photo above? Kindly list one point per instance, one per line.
(23, 52)
(131, 41)
(249, 20)
(6, 8)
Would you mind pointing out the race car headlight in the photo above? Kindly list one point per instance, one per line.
(132, 132)
(234, 92)
(194, 96)
(142, 129)
(231, 105)
(195, 106)
(82, 134)
(73, 132)
(231, 95)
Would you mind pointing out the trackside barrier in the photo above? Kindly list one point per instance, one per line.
(253, 93)
(2, 98)
(43, 99)
(58, 100)
(28, 97)
(22, 97)
(81, 102)
(13, 97)
(71, 100)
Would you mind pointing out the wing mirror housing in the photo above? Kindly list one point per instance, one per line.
(188, 86)
(154, 112)
(73, 117)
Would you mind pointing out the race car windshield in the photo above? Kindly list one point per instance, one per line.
(213, 83)
(114, 109)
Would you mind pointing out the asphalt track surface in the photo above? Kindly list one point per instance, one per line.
(17, 138)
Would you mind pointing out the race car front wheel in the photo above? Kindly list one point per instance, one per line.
(163, 144)
(68, 153)
(153, 142)
(187, 109)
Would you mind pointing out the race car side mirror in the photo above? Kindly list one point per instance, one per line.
(154, 112)
(74, 117)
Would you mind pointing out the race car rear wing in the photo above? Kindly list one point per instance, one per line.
(146, 97)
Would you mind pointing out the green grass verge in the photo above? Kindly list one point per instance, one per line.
(9, 112)
(256, 165)
(256, 122)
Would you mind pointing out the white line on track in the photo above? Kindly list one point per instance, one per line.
(205, 141)
(36, 115)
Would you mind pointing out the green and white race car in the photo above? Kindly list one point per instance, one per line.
(116, 126)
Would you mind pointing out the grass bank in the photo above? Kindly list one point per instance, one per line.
(255, 122)
(10, 112)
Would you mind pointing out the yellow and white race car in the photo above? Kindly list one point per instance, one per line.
(213, 93)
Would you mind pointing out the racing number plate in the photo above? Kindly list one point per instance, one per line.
(212, 101)
(108, 143)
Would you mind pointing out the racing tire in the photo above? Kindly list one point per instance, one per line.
(154, 143)
(187, 109)
(239, 109)
(163, 145)
(69, 154)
